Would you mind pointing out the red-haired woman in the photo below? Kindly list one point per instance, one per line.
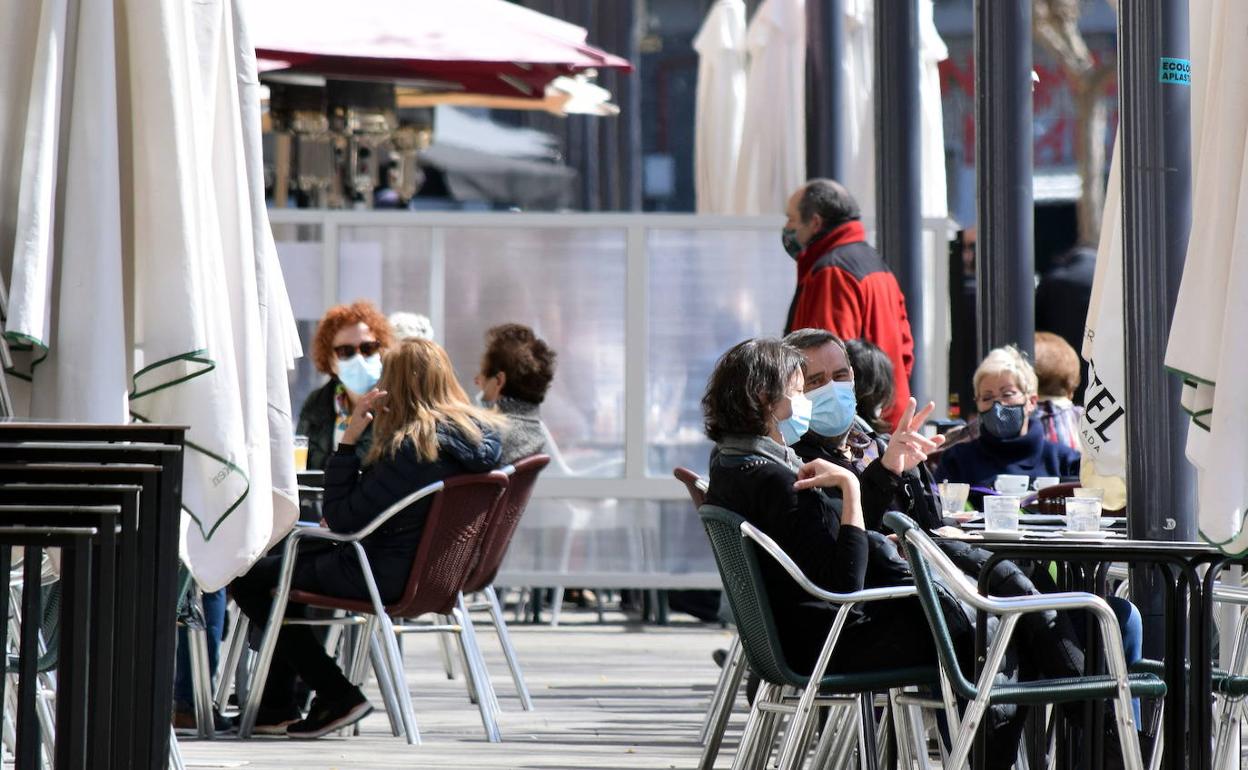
(348, 345)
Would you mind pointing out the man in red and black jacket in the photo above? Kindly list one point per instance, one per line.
(842, 284)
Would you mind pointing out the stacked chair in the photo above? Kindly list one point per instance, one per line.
(736, 545)
(108, 496)
(470, 524)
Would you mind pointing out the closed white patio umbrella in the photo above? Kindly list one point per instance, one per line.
(142, 263)
(1207, 345)
(720, 112)
(773, 144)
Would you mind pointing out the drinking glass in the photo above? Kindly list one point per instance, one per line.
(953, 497)
(1001, 513)
(1083, 514)
(1007, 484)
(301, 453)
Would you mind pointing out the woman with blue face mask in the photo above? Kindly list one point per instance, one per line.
(1009, 441)
(348, 346)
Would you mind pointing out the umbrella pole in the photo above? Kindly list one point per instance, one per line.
(1005, 266)
(898, 164)
(1156, 195)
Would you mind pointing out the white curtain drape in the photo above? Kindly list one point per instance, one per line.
(720, 115)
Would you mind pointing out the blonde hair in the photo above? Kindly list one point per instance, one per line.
(1007, 360)
(422, 393)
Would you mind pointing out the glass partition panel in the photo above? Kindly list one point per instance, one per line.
(387, 264)
(568, 284)
(578, 538)
(300, 250)
(708, 290)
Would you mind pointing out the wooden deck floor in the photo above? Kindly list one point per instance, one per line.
(615, 695)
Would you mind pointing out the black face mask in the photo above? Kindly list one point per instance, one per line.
(1003, 421)
(788, 237)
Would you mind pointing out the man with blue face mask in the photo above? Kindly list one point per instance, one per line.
(891, 469)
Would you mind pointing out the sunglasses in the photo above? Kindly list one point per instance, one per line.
(366, 349)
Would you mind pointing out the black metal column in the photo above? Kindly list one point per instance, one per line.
(1005, 266)
(898, 162)
(1156, 199)
(825, 91)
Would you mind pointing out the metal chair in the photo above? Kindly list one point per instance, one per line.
(1120, 685)
(734, 542)
(449, 547)
(724, 697)
(499, 530)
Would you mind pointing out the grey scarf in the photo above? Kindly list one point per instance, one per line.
(762, 446)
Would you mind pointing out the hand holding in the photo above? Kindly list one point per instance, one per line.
(821, 473)
(362, 416)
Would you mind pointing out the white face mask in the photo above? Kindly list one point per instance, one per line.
(360, 374)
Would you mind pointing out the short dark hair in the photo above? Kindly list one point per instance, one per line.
(747, 380)
(813, 339)
(528, 362)
(830, 200)
(873, 381)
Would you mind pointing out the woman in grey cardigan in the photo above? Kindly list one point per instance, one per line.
(516, 370)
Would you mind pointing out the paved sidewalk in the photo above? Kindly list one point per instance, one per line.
(616, 695)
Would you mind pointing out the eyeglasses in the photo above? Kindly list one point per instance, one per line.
(366, 349)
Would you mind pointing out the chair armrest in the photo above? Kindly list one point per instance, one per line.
(865, 595)
(378, 520)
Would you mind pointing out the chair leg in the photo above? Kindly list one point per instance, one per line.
(717, 720)
(394, 662)
(175, 753)
(357, 658)
(235, 642)
(448, 659)
(556, 605)
(463, 657)
(201, 676)
(750, 735)
(480, 678)
(1127, 736)
(264, 658)
(509, 650)
(721, 689)
(385, 682)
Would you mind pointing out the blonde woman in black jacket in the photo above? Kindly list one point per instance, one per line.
(424, 430)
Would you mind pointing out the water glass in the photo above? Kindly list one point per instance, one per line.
(1094, 493)
(1001, 513)
(953, 497)
(1007, 484)
(1083, 514)
(301, 453)
(1045, 481)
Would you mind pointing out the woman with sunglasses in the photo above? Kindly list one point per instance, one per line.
(348, 345)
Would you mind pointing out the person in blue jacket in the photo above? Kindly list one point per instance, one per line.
(1009, 440)
(424, 429)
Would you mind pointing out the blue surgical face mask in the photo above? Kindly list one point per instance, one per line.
(793, 427)
(360, 374)
(1003, 421)
(834, 407)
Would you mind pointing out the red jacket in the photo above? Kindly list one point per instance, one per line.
(843, 286)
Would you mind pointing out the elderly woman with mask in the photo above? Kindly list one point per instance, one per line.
(1010, 441)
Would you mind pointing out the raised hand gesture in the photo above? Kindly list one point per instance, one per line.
(908, 446)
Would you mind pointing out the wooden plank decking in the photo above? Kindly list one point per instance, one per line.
(615, 695)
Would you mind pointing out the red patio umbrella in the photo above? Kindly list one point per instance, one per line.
(476, 46)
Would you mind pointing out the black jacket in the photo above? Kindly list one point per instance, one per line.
(882, 490)
(316, 421)
(353, 499)
(837, 558)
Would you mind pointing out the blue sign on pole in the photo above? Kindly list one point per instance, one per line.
(1176, 72)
